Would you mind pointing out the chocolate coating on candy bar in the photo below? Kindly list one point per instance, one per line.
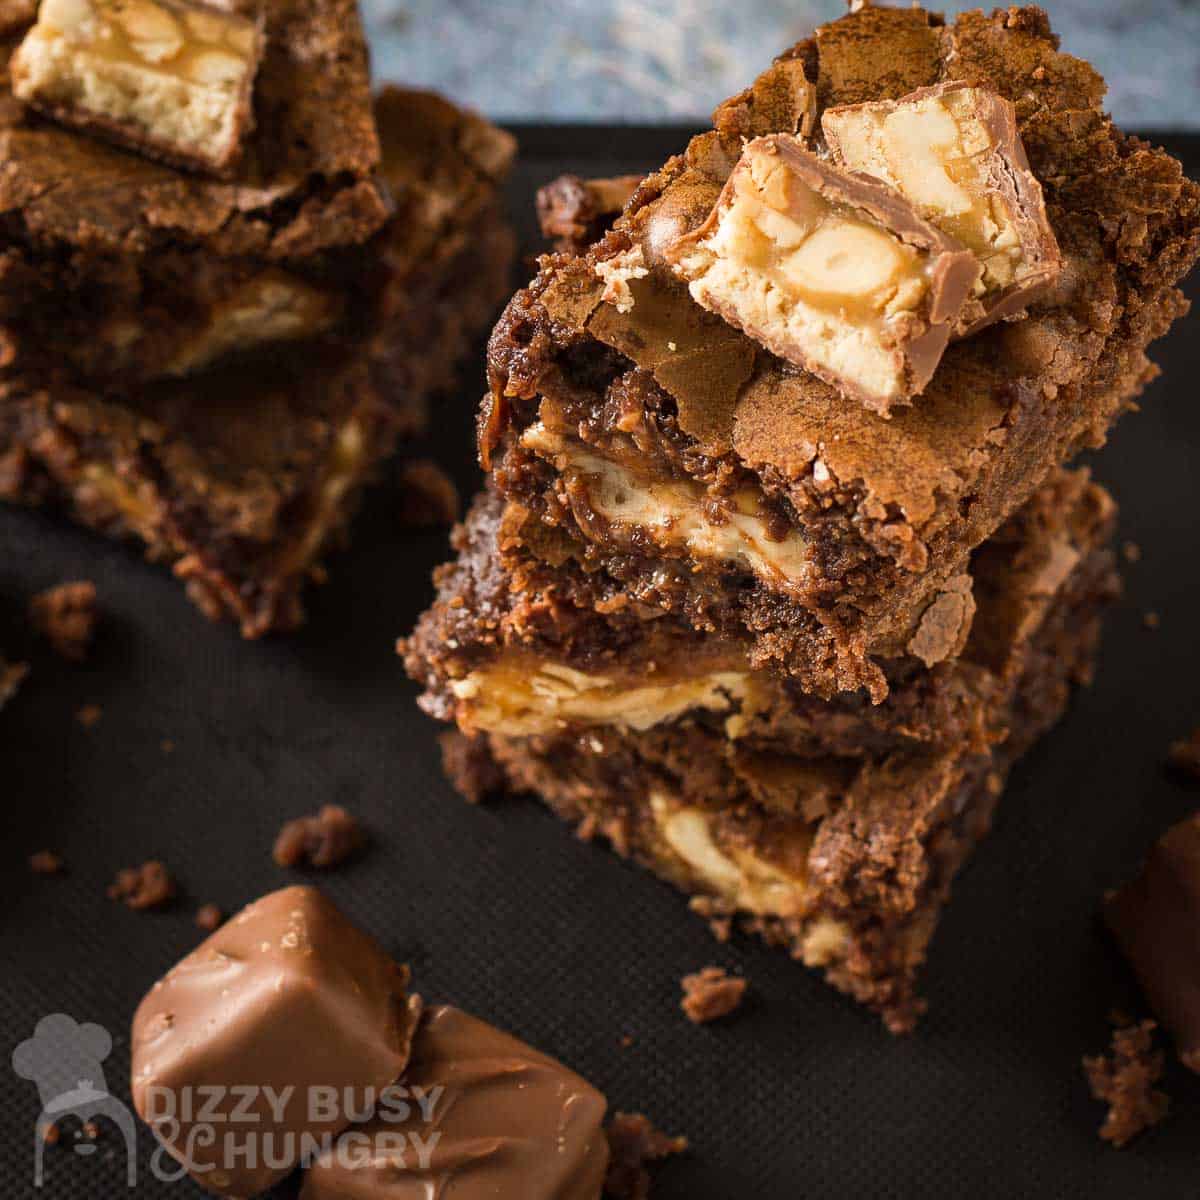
(954, 151)
(1156, 921)
(512, 1124)
(288, 994)
(830, 270)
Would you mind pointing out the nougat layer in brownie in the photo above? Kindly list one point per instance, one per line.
(183, 305)
(516, 647)
(242, 477)
(654, 433)
(846, 863)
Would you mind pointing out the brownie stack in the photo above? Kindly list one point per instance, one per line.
(229, 278)
(775, 623)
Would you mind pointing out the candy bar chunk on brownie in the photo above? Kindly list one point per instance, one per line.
(499, 1119)
(830, 270)
(288, 996)
(168, 78)
(1155, 919)
(954, 152)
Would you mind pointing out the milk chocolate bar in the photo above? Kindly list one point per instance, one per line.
(169, 78)
(955, 153)
(830, 270)
(1156, 921)
(287, 997)
(499, 1119)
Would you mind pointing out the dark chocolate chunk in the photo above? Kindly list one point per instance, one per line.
(145, 887)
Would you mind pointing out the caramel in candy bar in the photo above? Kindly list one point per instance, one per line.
(171, 80)
(831, 270)
(955, 153)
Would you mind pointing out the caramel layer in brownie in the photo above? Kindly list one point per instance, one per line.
(519, 648)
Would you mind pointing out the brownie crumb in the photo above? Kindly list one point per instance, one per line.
(1152, 620)
(1124, 1080)
(66, 616)
(51, 1134)
(327, 839)
(711, 994)
(167, 746)
(209, 917)
(1131, 552)
(633, 1141)
(91, 1131)
(427, 495)
(1185, 755)
(573, 212)
(145, 887)
(46, 862)
(88, 715)
(470, 767)
(718, 915)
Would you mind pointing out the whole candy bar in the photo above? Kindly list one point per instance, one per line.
(170, 79)
(1156, 921)
(281, 1029)
(831, 270)
(955, 153)
(487, 1117)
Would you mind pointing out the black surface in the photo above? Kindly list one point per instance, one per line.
(500, 911)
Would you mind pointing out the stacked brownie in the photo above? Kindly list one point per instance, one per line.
(779, 567)
(229, 278)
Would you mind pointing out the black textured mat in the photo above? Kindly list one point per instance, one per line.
(500, 911)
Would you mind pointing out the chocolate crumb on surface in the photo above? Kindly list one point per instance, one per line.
(148, 886)
(1152, 620)
(427, 495)
(66, 616)
(46, 862)
(1131, 552)
(209, 917)
(633, 1141)
(1124, 1079)
(469, 765)
(710, 994)
(1185, 755)
(324, 840)
(51, 1134)
(88, 714)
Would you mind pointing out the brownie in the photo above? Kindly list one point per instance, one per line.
(516, 645)
(243, 476)
(187, 271)
(92, 228)
(833, 829)
(1125, 1080)
(722, 484)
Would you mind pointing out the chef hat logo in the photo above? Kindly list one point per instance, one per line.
(65, 1060)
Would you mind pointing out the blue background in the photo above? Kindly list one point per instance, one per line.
(663, 60)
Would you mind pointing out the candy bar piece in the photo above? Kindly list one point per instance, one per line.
(172, 80)
(1156, 921)
(286, 998)
(488, 1116)
(954, 152)
(830, 270)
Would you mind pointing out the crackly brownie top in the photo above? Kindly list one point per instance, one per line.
(306, 181)
(1125, 217)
